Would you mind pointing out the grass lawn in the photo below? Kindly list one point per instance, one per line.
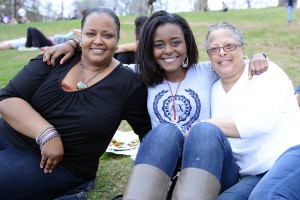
(264, 30)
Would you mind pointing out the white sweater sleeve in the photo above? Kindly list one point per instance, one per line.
(269, 96)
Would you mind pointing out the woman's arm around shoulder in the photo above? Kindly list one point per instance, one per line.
(66, 50)
(129, 47)
(135, 110)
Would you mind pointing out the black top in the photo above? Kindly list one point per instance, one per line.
(127, 57)
(86, 119)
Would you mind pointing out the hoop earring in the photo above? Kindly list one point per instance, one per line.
(211, 68)
(185, 63)
(245, 58)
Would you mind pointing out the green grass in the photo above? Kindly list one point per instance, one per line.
(264, 30)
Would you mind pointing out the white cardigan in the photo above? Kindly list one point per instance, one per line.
(266, 114)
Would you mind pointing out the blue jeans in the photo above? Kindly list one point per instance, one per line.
(22, 178)
(282, 180)
(290, 13)
(241, 190)
(206, 147)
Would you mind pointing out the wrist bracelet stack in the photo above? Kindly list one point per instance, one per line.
(44, 135)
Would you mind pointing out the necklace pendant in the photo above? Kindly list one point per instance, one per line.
(81, 85)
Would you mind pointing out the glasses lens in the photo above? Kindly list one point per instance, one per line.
(227, 47)
(230, 47)
(213, 50)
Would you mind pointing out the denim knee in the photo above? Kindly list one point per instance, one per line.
(206, 134)
(165, 135)
(161, 147)
(206, 148)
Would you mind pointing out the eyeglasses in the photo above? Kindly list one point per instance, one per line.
(226, 48)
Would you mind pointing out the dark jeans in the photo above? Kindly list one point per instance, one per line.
(22, 178)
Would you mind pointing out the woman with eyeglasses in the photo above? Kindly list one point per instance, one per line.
(260, 122)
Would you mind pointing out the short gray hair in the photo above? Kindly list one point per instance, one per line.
(224, 25)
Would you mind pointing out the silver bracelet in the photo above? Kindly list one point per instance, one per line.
(42, 131)
(48, 136)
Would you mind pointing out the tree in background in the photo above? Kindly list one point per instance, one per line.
(83, 5)
(282, 2)
(201, 5)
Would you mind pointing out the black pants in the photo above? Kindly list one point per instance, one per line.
(35, 38)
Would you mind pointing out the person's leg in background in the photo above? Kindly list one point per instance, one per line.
(155, 163)
(35, 38)
(208, 166)
(290, 13)
(5, 45)
(282, 180)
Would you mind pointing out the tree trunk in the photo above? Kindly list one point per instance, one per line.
(281, 2)
(201, 5)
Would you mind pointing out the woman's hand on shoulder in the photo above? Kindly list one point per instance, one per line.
(257, 65)
(53, 52)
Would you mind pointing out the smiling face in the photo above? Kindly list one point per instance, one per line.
(228, 64)
(170, 50)
(99, 39)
